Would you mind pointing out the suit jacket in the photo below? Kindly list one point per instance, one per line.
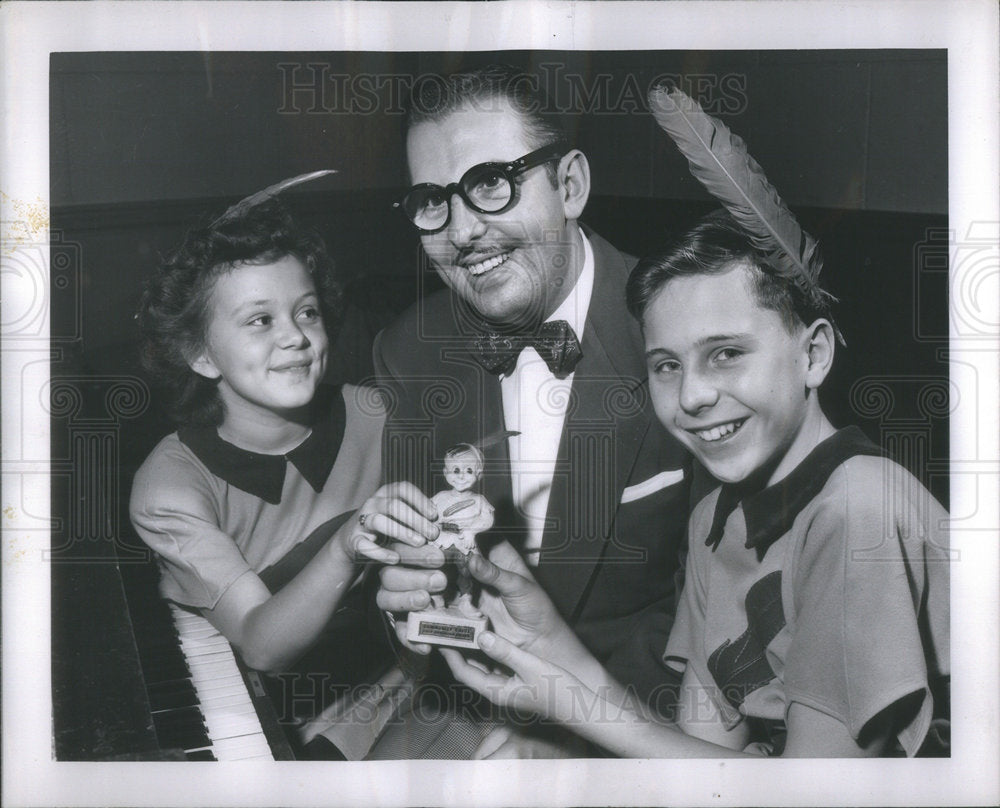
(618, 508)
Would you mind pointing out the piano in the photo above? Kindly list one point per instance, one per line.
(136, 678)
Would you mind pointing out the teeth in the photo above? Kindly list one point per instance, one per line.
(490, 263)
(717, 432)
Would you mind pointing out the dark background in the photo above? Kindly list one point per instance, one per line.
(145, 145)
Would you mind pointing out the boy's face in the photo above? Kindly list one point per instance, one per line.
(727, 378)
(462, 470)
(265, 340)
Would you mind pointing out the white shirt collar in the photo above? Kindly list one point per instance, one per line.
(574, 308)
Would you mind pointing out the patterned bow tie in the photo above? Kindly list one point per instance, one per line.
(555, 342)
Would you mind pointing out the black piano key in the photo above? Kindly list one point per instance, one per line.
(183, 728)
(172, 695)
(164, 667)
(177, 718)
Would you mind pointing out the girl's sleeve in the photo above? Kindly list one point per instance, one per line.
(872, 559)
(174, 513)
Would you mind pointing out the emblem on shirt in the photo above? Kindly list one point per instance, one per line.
(740, 666)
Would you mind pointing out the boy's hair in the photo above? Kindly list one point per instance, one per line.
(465, 448)
(173, 313)
(714, 244)
(434, 97)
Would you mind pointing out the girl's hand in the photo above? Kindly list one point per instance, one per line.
(398, 511)
(537, 686)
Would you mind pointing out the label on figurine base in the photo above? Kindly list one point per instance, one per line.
(445, 627)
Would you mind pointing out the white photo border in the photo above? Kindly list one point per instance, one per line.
(968, 30)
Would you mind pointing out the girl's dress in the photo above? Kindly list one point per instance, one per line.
(213, 512)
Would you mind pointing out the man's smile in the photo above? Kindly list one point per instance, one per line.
(483, 265)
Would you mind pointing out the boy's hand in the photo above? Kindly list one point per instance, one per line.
(537, 686)
(519, 609)
(398, 511)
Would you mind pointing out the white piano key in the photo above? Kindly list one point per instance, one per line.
(230, 717)
(215, 701)
(214, 669)
(231, 748)
(222, 687)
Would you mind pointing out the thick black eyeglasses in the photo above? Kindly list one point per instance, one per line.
(486, 188)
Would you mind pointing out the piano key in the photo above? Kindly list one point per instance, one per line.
(203, 704)
(233, 748)
(230, 716)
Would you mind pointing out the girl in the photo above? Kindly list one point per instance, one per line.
(250, 505)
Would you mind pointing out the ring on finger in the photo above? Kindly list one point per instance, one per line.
(364, 518)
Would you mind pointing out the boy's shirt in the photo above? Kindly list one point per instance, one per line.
(819, 589)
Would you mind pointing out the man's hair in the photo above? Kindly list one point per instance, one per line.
(713, 246)
(174, 312)
(434, 97)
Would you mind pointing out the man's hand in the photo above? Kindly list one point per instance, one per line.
(407, 587)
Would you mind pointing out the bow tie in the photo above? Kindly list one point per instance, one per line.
(555, 342)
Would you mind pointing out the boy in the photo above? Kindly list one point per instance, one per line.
(803, 603)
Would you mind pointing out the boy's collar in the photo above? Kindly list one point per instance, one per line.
(263, 475)
(770, 511)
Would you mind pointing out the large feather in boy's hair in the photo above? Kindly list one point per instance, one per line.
(719, 160)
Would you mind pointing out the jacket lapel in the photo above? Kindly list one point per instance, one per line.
(601, 437)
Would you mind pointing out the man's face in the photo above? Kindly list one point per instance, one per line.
(514, 267)
(726, 377)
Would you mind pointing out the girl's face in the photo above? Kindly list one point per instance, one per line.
(265, 339)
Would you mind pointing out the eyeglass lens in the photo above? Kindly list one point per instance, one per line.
(484, 187)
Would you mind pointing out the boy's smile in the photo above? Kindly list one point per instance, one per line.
(727, 378)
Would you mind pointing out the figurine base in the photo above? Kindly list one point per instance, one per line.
(448, 626)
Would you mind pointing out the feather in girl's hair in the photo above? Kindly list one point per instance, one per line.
(253, 200)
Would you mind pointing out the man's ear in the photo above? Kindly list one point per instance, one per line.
(820, 346)
(204, 366)
(574, 182)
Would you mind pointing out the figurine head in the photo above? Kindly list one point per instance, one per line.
(463, 466)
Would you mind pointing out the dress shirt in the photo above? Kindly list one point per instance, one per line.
(534, 405)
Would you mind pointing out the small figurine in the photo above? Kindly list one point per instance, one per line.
(463, 513)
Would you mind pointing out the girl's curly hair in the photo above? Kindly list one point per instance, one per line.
(173, 312)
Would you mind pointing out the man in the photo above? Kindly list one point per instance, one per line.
(585, 484)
